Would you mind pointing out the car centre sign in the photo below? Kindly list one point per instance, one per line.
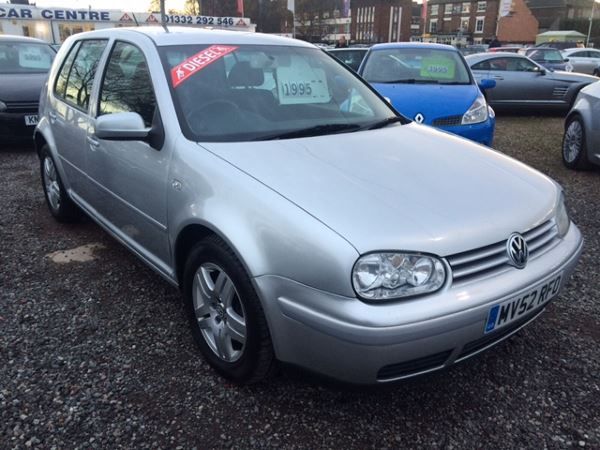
(28, 12)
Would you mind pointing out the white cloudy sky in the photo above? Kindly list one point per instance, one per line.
(129, 5)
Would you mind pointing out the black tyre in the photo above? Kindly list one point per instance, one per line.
(60, 205)
(574, 151)
(226, 317)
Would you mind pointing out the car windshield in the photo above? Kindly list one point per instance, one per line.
(227, 93)
(25, 57)
(545, 55)
(415, 65)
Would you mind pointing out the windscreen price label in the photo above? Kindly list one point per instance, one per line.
(293, 89)
(438, 68)
(300, 83)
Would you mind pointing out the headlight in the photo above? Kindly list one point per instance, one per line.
(562, 217)
(478, 112)
(382, 276)
(2, 106)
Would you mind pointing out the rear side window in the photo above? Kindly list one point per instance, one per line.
(75, 80)
(127, 86)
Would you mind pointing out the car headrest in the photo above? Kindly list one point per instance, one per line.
(243, 75)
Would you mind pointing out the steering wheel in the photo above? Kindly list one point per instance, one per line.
(212, 114)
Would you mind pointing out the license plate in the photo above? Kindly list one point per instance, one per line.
(513, 309)
(31, 120)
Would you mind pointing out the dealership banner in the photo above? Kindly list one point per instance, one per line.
(29, 12)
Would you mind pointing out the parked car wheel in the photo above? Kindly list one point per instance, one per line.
(226, 316)
(574, 153)
(596, 72)
(60, 205)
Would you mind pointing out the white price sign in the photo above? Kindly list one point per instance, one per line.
(299, 83)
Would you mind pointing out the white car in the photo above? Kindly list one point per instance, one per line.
(584, 60)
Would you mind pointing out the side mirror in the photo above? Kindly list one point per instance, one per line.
(486, 83)
(566, 60)
(125, 126)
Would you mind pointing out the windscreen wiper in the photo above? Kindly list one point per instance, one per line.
(410, 81)
(385, 122)
(317, 130)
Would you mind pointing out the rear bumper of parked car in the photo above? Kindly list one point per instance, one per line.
(13, 128)
(482, 133)
(363, 343)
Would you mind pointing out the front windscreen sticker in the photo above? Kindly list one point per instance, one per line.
(199, 61)
(300, 83)
(32, 57)
(439, 68)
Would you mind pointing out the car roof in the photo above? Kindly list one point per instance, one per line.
(188, 35)
(530, 49)
(348, 49)
(424, 45)
(13, 38)
(483, 56)
(574, 49)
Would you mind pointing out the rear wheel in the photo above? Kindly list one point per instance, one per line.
(596, 72)
(60, 205)
(574, 152)
(225, 314)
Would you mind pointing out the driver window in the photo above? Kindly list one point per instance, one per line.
(127, 86)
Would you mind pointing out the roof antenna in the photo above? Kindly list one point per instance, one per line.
(163, 15)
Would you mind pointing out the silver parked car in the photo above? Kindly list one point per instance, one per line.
(584, 60)
(303, 219)
(582, 130)
(523, 83)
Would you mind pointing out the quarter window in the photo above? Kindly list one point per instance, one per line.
(127, 86)
(79, 81)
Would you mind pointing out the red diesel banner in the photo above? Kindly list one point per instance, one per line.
(199, 61)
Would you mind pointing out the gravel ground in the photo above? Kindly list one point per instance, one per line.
(97, 354)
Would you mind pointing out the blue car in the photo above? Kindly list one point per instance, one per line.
(432, 84)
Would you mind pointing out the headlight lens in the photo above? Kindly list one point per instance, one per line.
(562, 217)
(382, 276)
(2, 106)
(478, 112)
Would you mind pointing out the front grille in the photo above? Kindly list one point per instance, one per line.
(22, 107)
(447, 121)
(474, 264)
(413, 366)
(495, 337)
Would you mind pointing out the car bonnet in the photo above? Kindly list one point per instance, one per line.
(406, 187)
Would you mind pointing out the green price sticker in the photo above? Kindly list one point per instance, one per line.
(438, 68)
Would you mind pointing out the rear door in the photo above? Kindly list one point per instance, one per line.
(128, 179)
(581, 61)
(69, 112)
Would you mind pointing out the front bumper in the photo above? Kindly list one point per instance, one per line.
(12, 126)
(363, 343)
(482, 133)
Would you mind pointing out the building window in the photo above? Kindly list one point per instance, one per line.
(481, 6)
(434, 11)
(464, 25)
(466, 7)
(479, 24)
(448, 8)
(457, 9)
(433, 26)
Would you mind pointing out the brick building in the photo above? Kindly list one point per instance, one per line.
(381, 21)
(549, 13)
(461, 22)
(520, 26)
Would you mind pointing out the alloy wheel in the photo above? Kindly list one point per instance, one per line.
(573, 141)
(51, 183)
(219, 312)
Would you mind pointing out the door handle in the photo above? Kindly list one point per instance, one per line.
(94, 144)
(52, 116)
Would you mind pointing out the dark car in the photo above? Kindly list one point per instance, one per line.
(550, 58)
(24, 65)
(351, 56)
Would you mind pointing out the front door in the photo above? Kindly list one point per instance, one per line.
(128, 179)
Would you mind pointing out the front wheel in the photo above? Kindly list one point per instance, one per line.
(60, 205)
(226, 317)
(574, 152)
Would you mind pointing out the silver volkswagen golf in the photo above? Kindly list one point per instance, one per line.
(302, 218)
